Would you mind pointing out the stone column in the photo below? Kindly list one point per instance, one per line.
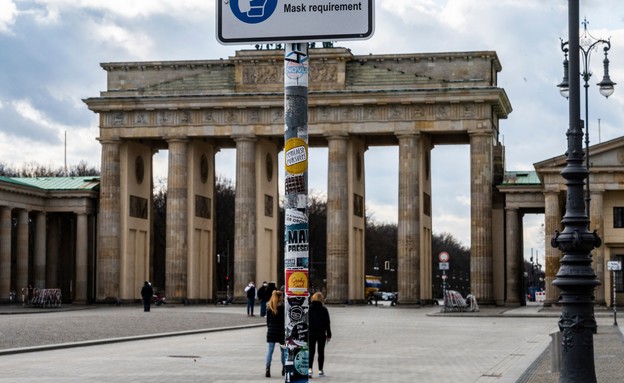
(109, 246)
(245, 216)
(5, 253)
(337, 220)
(481, 175)
(177, 223)
(40, 250)
(22, 249)
(53, 249)
(408, 246)
(552, 222)
(597, 223)
(514, 257)
(82, 276)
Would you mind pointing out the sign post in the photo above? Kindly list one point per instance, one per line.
(443, 258)
(614, 266)
(273, 21)
(295, 23)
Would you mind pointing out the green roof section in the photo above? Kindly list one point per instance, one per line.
(526, 177)
(56, 183)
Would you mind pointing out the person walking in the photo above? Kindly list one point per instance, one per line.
(263, 295)
(319, 331)
(275, 329)
(147, 292)
(250, 290)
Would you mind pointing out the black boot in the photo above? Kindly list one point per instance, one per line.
(268, 372)
(283, 371)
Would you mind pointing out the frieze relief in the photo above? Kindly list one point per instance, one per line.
(274, 74)
(263, 74)
(324, 113)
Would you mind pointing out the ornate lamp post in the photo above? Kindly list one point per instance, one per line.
(587, 44)
(576, 278)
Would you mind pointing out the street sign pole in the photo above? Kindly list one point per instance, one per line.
(614, 266)
(613, 299)
(296, 253)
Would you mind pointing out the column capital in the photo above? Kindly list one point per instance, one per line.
(245, 137)
(109, 140)
(175, 139)
(336, 136)
(407, 134)
(481, 133)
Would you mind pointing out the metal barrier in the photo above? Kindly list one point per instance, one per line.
(453, 301)
(42, 297)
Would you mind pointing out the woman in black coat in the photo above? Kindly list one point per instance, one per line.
(275, 328)
(320, 331)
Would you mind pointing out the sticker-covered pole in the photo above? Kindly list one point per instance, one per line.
(296, 212)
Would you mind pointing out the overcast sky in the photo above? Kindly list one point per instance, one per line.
(50, 51)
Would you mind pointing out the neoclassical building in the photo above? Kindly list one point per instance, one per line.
(195, 108)
(543, 191)
(47, 235)
(92, 239)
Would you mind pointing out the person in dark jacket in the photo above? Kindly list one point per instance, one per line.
(275, 328)
(319, 331)
(250, 291)
(147, 292)
(263, 296)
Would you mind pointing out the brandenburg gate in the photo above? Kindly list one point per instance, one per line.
(195, 108)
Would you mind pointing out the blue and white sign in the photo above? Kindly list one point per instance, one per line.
(280, 21)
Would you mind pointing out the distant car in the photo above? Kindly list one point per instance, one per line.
(387, 296)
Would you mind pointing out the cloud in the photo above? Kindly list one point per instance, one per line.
(134, 43)
(8, 14)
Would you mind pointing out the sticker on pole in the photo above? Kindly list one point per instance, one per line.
(296, 156)
(296, 282)
(273, 21)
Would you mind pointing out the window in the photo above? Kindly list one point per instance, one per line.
(618, 217)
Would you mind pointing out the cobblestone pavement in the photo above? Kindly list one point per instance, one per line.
(370, 344)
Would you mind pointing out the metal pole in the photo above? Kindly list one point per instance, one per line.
(614, 300)
(296, 211)
(576, 278)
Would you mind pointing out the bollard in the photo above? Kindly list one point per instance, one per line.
(555, 351)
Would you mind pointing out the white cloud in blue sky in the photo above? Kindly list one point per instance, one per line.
(50, 51)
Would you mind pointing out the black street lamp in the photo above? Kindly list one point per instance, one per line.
(587, 44)
(576, 278)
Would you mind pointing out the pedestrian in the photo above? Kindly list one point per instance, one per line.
(263, 295)
(147, 292)
(275, 329)
(250, 290)
(319, 331)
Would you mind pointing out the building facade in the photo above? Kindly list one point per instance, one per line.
(195, 108)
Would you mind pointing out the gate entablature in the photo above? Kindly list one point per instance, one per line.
(375, 94)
